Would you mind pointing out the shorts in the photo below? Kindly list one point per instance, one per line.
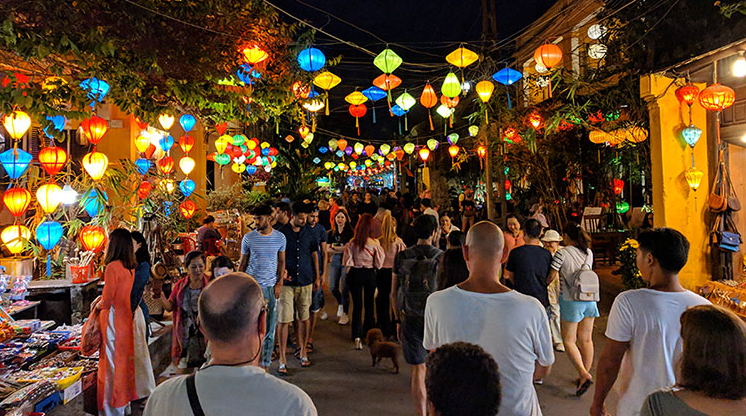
(317, 300)
(412, 333)
(577, 310)
(294, 300)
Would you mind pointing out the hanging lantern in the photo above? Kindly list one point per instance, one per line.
(96, 88)
(289, 138)
(548, 55)
(374, 94)
(358, 111)
(687, 93)
(186, 143)
(48, 234)
(359, 148)
(14, 237)
(142, 143)
(95, 163)
(370, 150)
(311, 59)
(52, 159)
(166, 121)
(94, 128)
(452, 138)
(387, 82)
(399, 152)
(186, 164)
(597, 31)
(424, 154)
(507, 76)
(187, 186)
(16, 124)
(693, 177)
(387, 61)
(222, 143)
(143, 165)
(618, 186)
(166, 165)
(167, 185)
(473, 130)
(597, 51)
(384, 149)
(188, 208)
(717, 97)
(432, 144)
(691, 135)
(300, 90)
(48, 196)
(253, 55)
(482, 151)
(409, 148)
(599, 137)
(187, 122)
(451, 86)
(15, 162)
(92, 202)
(304, 131)
(449, 102)
(535, 120)
(622, 207)
(92, 237)
(166, 143)
(17, 200)
(462, 57)
(238, 168)
(326, 81)
(429, 99)
(313, 105)
(68, 195)
(484, 90)
(405, 101)
(144, 190)
(342, 144)
(444, 111)
(332, 144)
(453, 150)
(356, 98)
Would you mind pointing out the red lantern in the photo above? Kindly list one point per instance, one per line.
(511, 134)
(399, 152)
(535, 120)
(358, 111)
(687, 93)
(188, 208)
(144, 190)
(143, 125)
(237, 152)
(618, 185)
(221, 127)
(717, 97)
(303, 131)
(507, 184)
(166, 165)
(300, 90)
(424, 154)
(52, 159)
(95, 128)
(186, 143)
(449, 102)
(93, 237)
(17, 200)
(150, 151)
(482, 151)
(548, 55)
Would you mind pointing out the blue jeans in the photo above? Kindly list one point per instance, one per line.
(269, 338)
(338, 283)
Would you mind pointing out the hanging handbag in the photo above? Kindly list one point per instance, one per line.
(717, 201)
(725, 240)
(733, 203)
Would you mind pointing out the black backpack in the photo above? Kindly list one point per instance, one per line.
(419, 281)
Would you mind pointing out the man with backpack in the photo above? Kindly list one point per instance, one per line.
(414, 279)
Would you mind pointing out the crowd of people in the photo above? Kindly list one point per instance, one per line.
(479, 313)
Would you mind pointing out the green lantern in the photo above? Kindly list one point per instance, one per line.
(387, 61)
(406, 101)
(444, 111)
(409, 148)
(622, 207)
(333, 144)
(451, 86)
(359, 148)
(473, 130)
(238, 139)
(385, 149)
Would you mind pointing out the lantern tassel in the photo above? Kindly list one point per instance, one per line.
(406, 127)
(357, 124)
(450, 121)
(430, 116)
(49, 264)
(486, 120)
(400, 126)
(550, 87)
(374, 113)
(326, 109)
(313, 124)
(277, 127)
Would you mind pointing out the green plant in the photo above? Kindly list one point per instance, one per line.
(235, 197)
(631, 277)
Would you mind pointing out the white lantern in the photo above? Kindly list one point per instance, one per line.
(540, 68)
(597, 51)
(597, 31)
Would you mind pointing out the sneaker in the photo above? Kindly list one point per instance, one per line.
(340, 311)
(358, 344)
(323, 316)
(344, 319)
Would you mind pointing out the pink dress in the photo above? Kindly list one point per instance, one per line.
(511, 242)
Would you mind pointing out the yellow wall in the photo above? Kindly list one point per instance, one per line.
(674, 203)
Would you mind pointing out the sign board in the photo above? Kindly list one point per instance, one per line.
(592, 211)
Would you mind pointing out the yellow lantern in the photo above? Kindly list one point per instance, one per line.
(484, 90)
(636, 134)
(186, 164)
(409, 148)
(95, 163)
(49, 197)
(385, 149)
(326, 81)
(359, 147)
(356, 98)
(166, 121)
(313, 105)
(462, 57)
(238, 168)
(599, 137)
(254, 54)
(17, 123)
(222, 143)
(693, 177)
(142, 143)
(167, 185)
(13, 237)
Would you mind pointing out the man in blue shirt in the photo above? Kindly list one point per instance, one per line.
(317, 302)
(302, 266)
(263, 258)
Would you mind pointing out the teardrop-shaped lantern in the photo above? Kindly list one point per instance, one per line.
(187, 186)
(142, 143)
(166, 121)
(143, 165)
(453, 150)
(48, 234)
(370, 150)
(451, 86)
(144, 190)
(16, 124)
(48, 196)
(92, 202)
(424, 154)
(359, 147)
(691, 135)
(166, 165)
(188, 208)
(52, 159)
(15, 237)
(187, 122)
(95, 163)
(186, 164)
(92, 237)
(409, 148)
(166, 143)
(484, 90)
(17, 200)
(186, 143)
(221, 143)
(432, 144)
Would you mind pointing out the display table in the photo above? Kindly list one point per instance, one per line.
(732, 296)
(63, 301)
(28, 311)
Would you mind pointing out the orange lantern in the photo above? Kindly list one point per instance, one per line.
(303, 131)
(387, 82)
(186, 143)
(17, 200)
(369, 149)
(144, 190)
(300, 90)
(535, 120)
(449, 102)
(687, 93)
(93, 237)
(358, 111)
(399, 152)
(342, 144)
(453, 150)
(94, 128)
(482, 151)
(166, 165)
(254, 54)
(717, 97)
(14, 237)
(289, 138)
(188, 208)
(548, 55)
(424, 154)
(95, 163)
(52, 159)
(429, 99)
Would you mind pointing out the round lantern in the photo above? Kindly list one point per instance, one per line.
(687, 93)
(618, 186)
(186, 143)
(597, 51)
(691, 135)
(597, 31)
(473, 130)
(142, 143)
(409, 148)
(14, 237)
(92, 237)
(186, 164)
(187, 122)
(166, 121)
(717, 97)
(384, 149)
(484, 90)
(432, 144)
(453, 150)
(424, 154)
(548, 55)
(95, 163)
(311, 59)
(693, 177)
(17, 200)
(17, 123)
(370, 150)
(166, 165)
(144, 190)
(187, 186)
(48, 196)
(188, 208)
(52, 159)
(68, 195)
(94, 128)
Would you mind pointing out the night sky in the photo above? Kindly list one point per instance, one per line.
(431, 29)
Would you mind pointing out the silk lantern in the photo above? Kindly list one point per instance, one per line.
(535, 120)
(186, 164)
(384, 149)
(48, 196)
(453, 150)
(432, 144)
(186, 143)
(68, 195)
(356, 98)
(187, 208)
(187, 122)
(484, 90)
(254, 54)
(370, 150)
(618, 186)
(17, 124)
(166, 165)
(94, 128)
(452, 138)
(462, 58)
(451, 86)
(482, 151)
(311, 59)
(717, 97)
(507, 77)
(143, 165)
(17, 200)
(238, 167)
(14, 236)
(92, 237)
(691, 135)
(142, 143)
(52, 159)
(144, 190)
(92, 202)
(96, 88)
(424, 154)
(429, 99)
(95, 163)
(332, 144)
(358, 111)
(187, 186)
(359, 148)
(374, 94)
(342, 144)
(48, 234)
(473, 130)
(387, 61)
(405, 101)
(166, 121)
(166, 143)
(687, 93)
(693, 177)
(326, 81)
(222, 143)
(548, 55)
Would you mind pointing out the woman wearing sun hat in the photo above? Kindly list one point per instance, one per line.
(551, 240)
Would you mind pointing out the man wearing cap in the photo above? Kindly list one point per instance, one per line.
(551, 240)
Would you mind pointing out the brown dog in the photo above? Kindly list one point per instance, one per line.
(380, 349)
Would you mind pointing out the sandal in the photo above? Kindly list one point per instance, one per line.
(282, 370)
(582, 388)
(305, 362)
(309, 347)
(296, 353)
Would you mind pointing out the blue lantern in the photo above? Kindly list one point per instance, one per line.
(691, 135)
(251, 169)
(340, 153)
(15, 162)
(96, 88)
(265, 151)
(166, 143)
(507, 76)
(323, 150)
(48, 234)
(313, 93)
(143, 165)
(58, 122)
(316, 160)
(311, 59)
(397, 111)
(374, 94)
(187, 186)
(92, 202)
(187, 122)
(246, 74)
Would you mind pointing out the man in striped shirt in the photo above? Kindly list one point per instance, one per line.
(263, 258)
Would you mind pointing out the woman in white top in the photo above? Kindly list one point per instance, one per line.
(392, 245)
(576, 317)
